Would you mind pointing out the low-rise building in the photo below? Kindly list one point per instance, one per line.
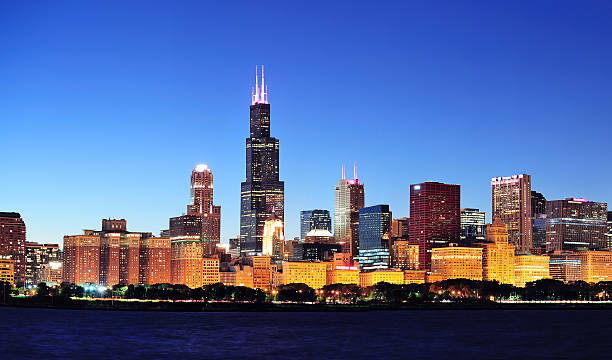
(596, 266)
(210, 271)
(415, 276)
(7, 269)
(313, 274)
(456, 262)
(529, 267)
(391, 276)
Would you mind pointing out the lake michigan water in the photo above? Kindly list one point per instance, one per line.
(458, 334)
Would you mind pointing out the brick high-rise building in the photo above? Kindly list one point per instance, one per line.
(262, 194)
(349, 198)
(155, 260)
(574, 224)
(187, 263)
(511, 199)
(202, 206)
(82, 258)
(13, 241)
(400, 228)
(434, 217)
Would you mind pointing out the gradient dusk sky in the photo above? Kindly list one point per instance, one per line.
(107, 106)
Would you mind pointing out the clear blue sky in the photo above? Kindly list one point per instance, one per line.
(106, 107)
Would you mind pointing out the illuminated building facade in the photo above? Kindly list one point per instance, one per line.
(575, 224)
(244, 276)
(82, 258)
(528, 268)
(609, 232)
(210, 269)
(595, 266)
(434, 217)
(472, 226)
(7, 269)
(51, 272)
(374, 237)
(263, 268)
(415, 276)
(565, 266)
(511, 199)
(456, 262)
(155, 260)
(371, 278)
(186, 259)
(497, 254)
(343, 274)
(400, 229)
(202, 207)
(273, 242)
(37, 255)
(404, 255)
(262, 194)
(13, 241)
(320, 236)
(313, 274)
(349, 198)
(314, 220)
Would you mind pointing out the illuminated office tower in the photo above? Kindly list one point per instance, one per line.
(273, 242)
(202, 207)
(456, 262)
(210, 270)
(263, 270)
(186, 263)
(576, 224)
(37, 255)
(349, 198)
(511, 199)
(110, 244)
(374, 237)
(565, 266)
(434, 217)
(404, 255)
(262, 194)
(13, 241)
(314, 220)
(82, 258)
(155, 260)
(528, 268)
(129, 258)
(497, 254)
(472, 225)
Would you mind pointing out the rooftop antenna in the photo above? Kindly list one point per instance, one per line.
(342, 167)
(354, 171)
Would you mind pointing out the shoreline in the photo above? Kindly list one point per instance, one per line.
(177, 306)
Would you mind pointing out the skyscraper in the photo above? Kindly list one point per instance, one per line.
(314, 220)
(538, 213)
(576, 224)
(609, 232)
(497, 254)
(434, 217)
(12, 242)
(262, 194)
(511, 200)
(374, 237)
(349, 198)
(38, 255)
(472, 225)
(202, 207)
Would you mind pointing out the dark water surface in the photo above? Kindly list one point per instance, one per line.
(460, 334)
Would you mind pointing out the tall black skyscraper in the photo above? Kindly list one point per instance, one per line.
(262, 194)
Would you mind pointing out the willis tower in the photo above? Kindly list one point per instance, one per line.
(262, 195)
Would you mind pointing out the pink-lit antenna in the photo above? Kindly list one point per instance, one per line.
(260, 94)
(354, 171)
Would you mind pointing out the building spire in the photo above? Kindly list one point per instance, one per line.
(260, 94)
(354, 171)
(343, 177)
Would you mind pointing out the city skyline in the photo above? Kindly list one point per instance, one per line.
(77, 134)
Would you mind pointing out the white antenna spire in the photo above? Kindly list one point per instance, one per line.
(354, 171)
(262, 94)
(342, 167)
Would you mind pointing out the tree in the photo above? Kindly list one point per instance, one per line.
(296, 292)
(42, 290)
